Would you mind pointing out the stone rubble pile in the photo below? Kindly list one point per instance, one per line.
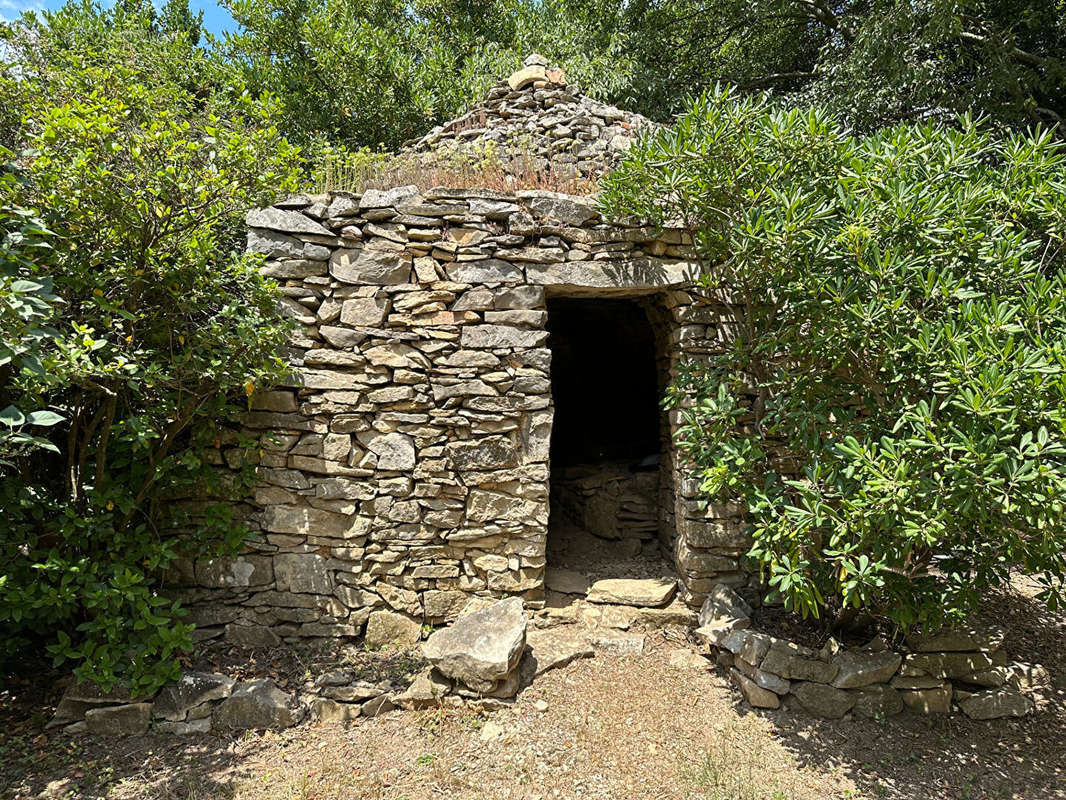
(484, 658)
(538, 120)
(957, 667)
(610, 501)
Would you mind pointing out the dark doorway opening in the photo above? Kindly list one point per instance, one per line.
(606, 380)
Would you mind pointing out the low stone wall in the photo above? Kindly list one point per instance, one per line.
(959, 669)
(610, 500)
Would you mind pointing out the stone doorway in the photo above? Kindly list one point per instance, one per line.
(608, 439)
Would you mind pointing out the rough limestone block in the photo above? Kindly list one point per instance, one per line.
(936, 700)
(258, 705)
(756, 696)
(625, 274)
(552, 648)
(389, 629)
(490, 336)
(820, 700)
(192, 689)
(798, 663)
(862, 667)
(488, 270)
(395, 451)
(426, 691)
(365, 311)
(877, 701)
(277, 219)
(493, 452)
(959, 639)
(280, 245)
(329, 711)
(716, 634)
(565, 581)
(127, 720)
(365, 267)
(996, 703)
(302, 572)
(945, 665)
(480, 648)
(723, 603)
(234, 572)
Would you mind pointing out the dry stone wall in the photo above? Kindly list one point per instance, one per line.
(964, 669)
(611, 500)
(535, 121)
(407, 468)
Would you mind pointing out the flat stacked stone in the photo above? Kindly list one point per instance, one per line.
(950, 668)
(536, 120)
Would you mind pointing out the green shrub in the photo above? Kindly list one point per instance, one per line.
(891, 400)
(163, 327)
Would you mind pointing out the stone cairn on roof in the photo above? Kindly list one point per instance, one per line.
(536, 121)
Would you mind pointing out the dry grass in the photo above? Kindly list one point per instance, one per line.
(482, 166)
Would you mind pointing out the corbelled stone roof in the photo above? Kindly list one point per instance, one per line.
(537, 120)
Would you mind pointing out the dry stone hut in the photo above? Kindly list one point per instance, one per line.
(478, 377)
(474, 415)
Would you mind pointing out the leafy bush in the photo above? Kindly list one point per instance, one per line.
(27, 307)
(890, 397)
(164, 327)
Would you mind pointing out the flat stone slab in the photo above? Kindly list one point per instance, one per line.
(997, 703)
(128, 720)
(565, 581)
(616, 643)
(553, 647)
(480, 648)
(651, 592)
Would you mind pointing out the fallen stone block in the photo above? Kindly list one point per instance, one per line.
(192, 689)
(997, 703)
(553, 648)
(258, 705)
(480, 648)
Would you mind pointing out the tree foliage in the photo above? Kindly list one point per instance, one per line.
(870, 63)
(141, 170)
(365, 74)
(352, 73)
(890, 400)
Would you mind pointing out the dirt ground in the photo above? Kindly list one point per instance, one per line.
(659, 725)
